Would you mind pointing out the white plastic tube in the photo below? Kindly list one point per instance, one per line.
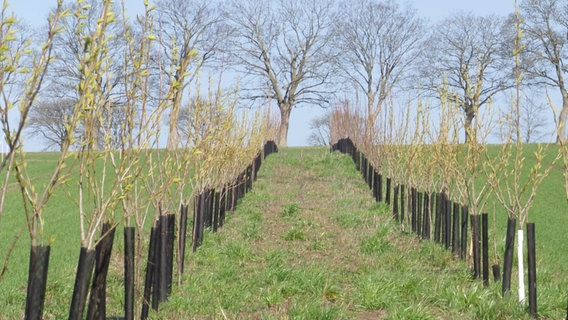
(521, 266)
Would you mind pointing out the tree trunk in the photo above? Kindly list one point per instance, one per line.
(285, 111)
(467, 125)
(370, 112)
(562, 120)
(182, 65)
(173, 123)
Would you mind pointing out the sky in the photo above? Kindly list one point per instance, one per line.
(34, 12)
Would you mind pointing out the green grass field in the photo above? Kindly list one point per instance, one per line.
(308, 242)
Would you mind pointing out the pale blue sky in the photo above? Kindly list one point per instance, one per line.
(437, 9)
(35, 12)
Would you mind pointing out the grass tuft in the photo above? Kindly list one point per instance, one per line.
(297, 233)
(290, 210)
(377, 243)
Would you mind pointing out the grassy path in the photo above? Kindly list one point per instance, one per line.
(309, 242)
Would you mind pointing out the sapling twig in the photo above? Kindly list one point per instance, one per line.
(514, 189)
(34, 199)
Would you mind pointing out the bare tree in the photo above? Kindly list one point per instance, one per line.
(73, 41)
(22, 73)
(466, 62)
(546, 27)
(190, 35)
(49, 120)
(195, 121)
(69, 48)
(320, 130)
(378, 41)
(531, 121)
(16, 60)
(286, 46)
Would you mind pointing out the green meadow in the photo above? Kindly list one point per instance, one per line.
(308, 242)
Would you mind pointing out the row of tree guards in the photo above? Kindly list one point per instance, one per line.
(434, 216)
(210, 207)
